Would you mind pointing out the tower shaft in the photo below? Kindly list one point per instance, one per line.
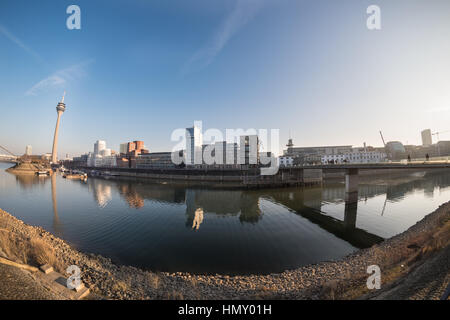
(55, 139)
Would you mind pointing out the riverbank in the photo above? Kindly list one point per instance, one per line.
(28, 168)
(399, 259)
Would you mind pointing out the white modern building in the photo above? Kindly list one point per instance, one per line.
(356, 156)
(194, 143)
(102, 156)
(99, 145)
(427, 138)
(105, 152)
(28, 150)
(286, 161)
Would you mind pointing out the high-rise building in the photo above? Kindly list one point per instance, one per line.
(60, 108)
(426, 138)
(226, 153)
(105, 152)
(102, 157)
(138, 145)
(249, 150)
(123, 148)
(194, 142)
(99, 146)
(28, 150)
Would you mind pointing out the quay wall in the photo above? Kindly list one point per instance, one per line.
(234, 177)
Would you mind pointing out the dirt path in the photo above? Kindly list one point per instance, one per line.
(18, 284)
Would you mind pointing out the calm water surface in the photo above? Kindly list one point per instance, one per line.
(155, 226)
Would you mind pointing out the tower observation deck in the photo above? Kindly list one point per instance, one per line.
(60, 108)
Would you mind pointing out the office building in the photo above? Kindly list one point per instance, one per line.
(427, 138)
(123, 148)
(156, 160)
(102, 156)
(249, 150)
(358, 155)
(99, 145)
(194, 149)
(28, 150)
(225, 153)
(286, 161)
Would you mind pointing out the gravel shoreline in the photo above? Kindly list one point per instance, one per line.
(112, 281)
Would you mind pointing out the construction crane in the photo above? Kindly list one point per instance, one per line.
(438, 133)
(382, 138)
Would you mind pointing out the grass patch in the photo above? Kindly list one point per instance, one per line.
(26, 250)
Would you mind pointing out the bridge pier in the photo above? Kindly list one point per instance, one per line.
(351, 208)
(351, 198)
(292, 175)
(351, 185)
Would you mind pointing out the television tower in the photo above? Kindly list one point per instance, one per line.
(60, 108)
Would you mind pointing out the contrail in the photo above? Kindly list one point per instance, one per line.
(19, 43)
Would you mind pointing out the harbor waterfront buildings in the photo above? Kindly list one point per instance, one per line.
(247, 154)
(129, 152)
(156, 160)
(102, 157)
(286, 161)
(330, 155)
(356, 156)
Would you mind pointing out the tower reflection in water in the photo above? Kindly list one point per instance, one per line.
(56, 223)
(29, 181)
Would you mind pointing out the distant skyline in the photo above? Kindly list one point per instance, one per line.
(137, 70)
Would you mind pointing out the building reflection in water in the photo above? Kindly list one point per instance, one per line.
(131, 196)
(101, 190)
(245, 204)
(223, 203)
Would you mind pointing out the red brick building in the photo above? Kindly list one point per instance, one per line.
(134, 149)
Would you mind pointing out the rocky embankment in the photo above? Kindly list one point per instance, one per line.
(27, 168)
(398, 258)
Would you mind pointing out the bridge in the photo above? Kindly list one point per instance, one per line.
(352, 172)
(381, 165)
(10, 157)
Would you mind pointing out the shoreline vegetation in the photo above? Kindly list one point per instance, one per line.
(414, 265)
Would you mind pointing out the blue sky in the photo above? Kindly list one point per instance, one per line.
(140, 69)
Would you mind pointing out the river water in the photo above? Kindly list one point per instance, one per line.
(165, 227)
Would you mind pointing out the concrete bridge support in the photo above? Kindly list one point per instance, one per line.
(293, 175)
(351, 198)
(351, 185)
